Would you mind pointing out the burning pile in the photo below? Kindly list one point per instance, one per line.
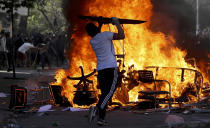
(142, 48)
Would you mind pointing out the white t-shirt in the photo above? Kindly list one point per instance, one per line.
(25, 47)
(104, 50)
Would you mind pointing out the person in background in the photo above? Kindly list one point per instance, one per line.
(9, 46)
(44, 53)
(102, 45)
(3, 49)
(23, 49)
(18, 41)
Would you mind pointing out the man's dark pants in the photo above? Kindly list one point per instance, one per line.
(107, 81)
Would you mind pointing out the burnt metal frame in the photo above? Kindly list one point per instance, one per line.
(151, 79)
(24, 92)
(197, 83)
(14, 104)
(53, 97)
(83, 82)
(38, 92)
(83, 79)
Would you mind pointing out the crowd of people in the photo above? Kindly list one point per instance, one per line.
(34, 50)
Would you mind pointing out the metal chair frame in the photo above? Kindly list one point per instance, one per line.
(146, 76)
(198, 79)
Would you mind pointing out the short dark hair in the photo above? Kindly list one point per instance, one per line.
(92, 29)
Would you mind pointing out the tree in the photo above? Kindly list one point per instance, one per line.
(49, 11)
(9, 6)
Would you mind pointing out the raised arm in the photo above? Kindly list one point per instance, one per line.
(120, 35)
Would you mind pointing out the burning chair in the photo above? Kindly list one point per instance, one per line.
(83, 95)
(190, 82)
(146, 76)
(57, 97)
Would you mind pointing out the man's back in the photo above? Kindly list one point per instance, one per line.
(104, 50)
(25, 47)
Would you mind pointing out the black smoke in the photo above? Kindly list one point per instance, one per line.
(178, 18)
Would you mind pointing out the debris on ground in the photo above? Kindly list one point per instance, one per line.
(3, 95)
(72, 109)
(45, 108)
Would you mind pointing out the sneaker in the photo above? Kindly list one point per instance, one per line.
(92, 113)
(102, 122)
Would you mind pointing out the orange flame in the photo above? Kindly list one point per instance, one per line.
(142, 48)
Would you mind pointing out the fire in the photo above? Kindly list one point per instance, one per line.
(142, 48)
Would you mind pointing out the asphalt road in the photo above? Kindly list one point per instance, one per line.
(119, 118)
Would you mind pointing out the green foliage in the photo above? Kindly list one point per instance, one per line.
(46, 16)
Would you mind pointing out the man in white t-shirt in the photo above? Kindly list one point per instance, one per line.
(23, 49)
(102, 45)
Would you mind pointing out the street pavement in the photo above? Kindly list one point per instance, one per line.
(117, 118)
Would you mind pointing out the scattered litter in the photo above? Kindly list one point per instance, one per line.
(3, 95)
(74, 109)
(186, 112)
(14, 126)
(45, 108)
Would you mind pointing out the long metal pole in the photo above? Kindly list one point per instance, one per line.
(197, 18)
(13, 43)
